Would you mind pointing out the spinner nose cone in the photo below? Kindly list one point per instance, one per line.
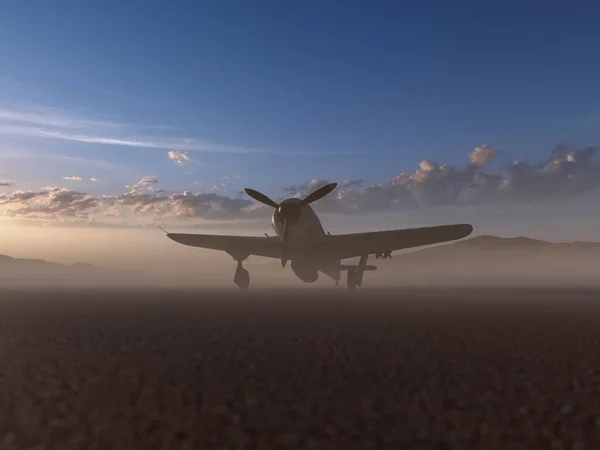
(290, 212)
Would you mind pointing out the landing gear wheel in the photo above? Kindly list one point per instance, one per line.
(351, 279)
(242, 278)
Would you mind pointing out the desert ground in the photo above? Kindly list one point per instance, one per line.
(444, 368)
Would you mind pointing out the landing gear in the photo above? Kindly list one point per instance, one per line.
(358, 276)
(241, 277)
(355, 274)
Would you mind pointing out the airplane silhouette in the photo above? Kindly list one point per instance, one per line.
(302, 240)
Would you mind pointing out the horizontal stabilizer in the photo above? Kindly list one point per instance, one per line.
(347, 266)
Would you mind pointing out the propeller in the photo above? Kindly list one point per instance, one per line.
(262, 198)
(319, 193)
(290, 212)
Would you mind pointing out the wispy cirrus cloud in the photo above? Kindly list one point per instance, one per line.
(51, 118)
(53, 124)
(85, 138)
(21, 154)
(75, 178)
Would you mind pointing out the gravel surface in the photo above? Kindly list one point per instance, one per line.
(398, 369)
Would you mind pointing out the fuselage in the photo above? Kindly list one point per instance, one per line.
(306, 231)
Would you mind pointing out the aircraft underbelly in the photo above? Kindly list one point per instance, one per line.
(331, 269)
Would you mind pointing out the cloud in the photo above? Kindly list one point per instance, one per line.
(85, 138)
(51, 118)
(47, 123)
(482, 155)
(49, 204)
(179, 158)
(230, 177)
(20, 154)
(146, 183)
(145, 198)
(301, 190)
(72, 178)
(6, 184)
(566, 174)
(93, 179)
(157, 142)
(350, 183)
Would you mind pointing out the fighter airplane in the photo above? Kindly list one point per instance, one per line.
(300, 238)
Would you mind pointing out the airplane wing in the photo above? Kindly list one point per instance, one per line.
(352, 245)
(245, 245)
(336, 247)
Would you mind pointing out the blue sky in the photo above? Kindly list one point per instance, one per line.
(280, 93)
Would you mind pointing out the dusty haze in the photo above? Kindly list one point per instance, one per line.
(146, 257)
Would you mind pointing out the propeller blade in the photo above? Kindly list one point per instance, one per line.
(319, 193)
(262, 198)
(285, 244)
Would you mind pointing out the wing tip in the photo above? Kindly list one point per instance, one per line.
(173, 237)
(466, 229)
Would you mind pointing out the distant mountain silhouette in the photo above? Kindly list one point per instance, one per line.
(38, 272)
(492, 260)
(24, 264)
(487, 246)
